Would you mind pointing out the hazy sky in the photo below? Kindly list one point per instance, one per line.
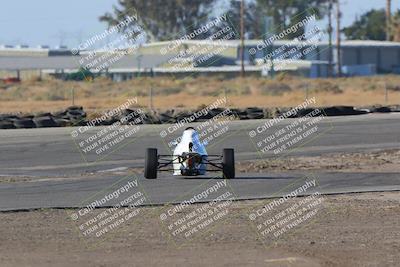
(52, 22)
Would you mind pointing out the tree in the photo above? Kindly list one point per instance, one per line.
(252, 17)
(161, 19)
(370, 26)
(394, 27)
(286, 13)
(171, 19)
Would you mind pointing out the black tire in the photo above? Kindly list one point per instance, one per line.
(43, 114)
(228, 163)
(255, 116)
(6, 125)
(6, 117)
(165, 118)
(60, 114)
(215, 111)
(382, 110)
(75, 108)
(304, 112)
(42, 122)
(27, 117)
(62, 122)
(76, 113)
(24, 123)
(151, 164)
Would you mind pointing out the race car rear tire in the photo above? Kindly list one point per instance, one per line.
(151, 163)
(228, 163)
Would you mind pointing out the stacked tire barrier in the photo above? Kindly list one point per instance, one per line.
(72, 116)
(76, 116)
(332, 111)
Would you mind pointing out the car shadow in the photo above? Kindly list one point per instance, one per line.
(237, 178)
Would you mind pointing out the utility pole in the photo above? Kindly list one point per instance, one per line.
(338, 41)
(388, 20)
(139, 60)
(330, 31)
(242, 72)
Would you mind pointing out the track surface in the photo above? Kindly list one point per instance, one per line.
(60, 177)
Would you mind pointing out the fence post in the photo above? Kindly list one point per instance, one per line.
(73, 96)
(151, 98)
(306, 91)
(386, 94)
(226, 97)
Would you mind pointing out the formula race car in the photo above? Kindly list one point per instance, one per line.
(189, 158)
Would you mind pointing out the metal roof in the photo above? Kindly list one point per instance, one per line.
(72, 62)
(287, 65)
(55, 61)
(236, 43)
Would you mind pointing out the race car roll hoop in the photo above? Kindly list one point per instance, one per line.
(189, 158)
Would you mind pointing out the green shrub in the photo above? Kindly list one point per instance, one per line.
(81, 75)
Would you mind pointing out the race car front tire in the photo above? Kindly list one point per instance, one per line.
(151, 163)
(228, 163)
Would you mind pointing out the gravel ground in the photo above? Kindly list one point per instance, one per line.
(347, 230)
(371, 161)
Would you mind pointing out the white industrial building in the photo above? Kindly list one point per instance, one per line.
(358, 58)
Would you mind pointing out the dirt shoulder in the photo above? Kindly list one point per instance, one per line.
(284, 91)
(348, 230)
(371, 161)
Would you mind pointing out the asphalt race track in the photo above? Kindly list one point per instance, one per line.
(59, 175)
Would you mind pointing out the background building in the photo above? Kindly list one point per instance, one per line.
(205, 58)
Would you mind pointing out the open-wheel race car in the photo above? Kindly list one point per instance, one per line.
(189, 158)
